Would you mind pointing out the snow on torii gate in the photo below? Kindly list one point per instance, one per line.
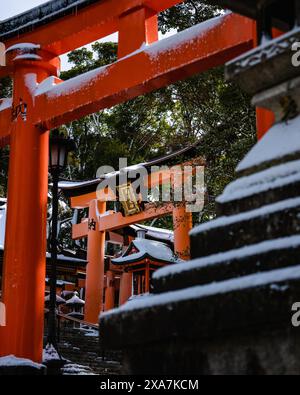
(40, 103)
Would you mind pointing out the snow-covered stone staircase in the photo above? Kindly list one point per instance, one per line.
(82, 350)
(222, 311)
(229, 310)
(259, 239)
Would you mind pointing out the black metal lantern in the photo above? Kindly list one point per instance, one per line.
(59, 149)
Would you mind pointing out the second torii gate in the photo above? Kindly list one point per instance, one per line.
(100, 221)
(42, 101)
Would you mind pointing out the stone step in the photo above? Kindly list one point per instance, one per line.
(84, 354)
(160, 328)
(265, 256)
(226, 233)
(263, 188)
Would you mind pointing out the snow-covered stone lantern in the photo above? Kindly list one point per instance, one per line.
(76, 306)
(59, 301)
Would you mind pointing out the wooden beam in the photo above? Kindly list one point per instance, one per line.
(83, 201)
(80, 231)
(5, 122)
(88, 24)
(193, 51)
(116, 221)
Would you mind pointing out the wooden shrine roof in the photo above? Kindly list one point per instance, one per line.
(146, 249)
(40, 16)
(78, 188)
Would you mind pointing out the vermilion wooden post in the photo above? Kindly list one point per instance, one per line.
(183, 224)
(147, 278)
(125, 288)
(25, 242)
(109, 292)
(95, 267)
(264, 121)
(137, 27)
(264, 118)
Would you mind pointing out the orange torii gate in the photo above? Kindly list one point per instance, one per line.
(40, 103)
(101, 221)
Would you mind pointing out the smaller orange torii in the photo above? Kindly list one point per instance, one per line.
(100, 221)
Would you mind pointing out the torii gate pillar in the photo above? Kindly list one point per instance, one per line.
(125, 288)
(25, 242)
(95, 267)
(109, 291)
(183, 224)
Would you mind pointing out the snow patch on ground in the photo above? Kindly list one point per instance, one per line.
(77, 370)
(11, 360)
(150, 248)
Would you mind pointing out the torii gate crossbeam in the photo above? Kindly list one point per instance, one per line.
(191, 52)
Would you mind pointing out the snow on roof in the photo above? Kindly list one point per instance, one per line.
(154, 229)
(240, 253)
(275, 177)
(262, 211)
(61, 282)
(61, 257)
(11, 360)
(148, 249)
(164, 234)
(76, 184)
(281, 140)
(69, 185)
(75, 300)
(271, 279)
(58, 299)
